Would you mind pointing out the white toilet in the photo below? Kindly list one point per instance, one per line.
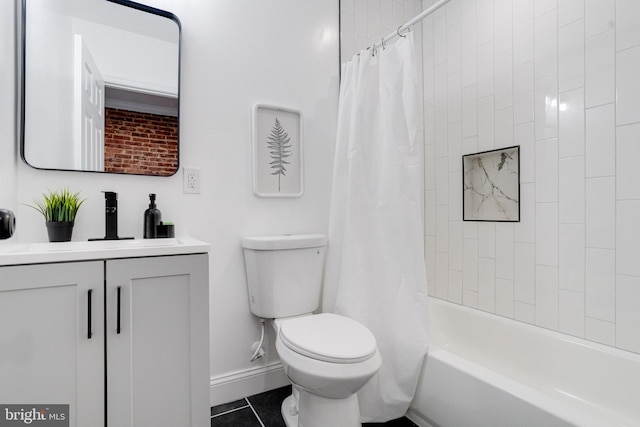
(327, 357)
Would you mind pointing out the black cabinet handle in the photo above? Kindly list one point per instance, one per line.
(89, 334)
(118, 318)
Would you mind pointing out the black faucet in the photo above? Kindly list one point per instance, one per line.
(111, 217)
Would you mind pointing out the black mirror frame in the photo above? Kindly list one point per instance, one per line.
(20, 76)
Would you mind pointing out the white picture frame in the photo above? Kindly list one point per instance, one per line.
(277, 151)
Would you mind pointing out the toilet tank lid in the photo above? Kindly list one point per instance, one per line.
(284, 241)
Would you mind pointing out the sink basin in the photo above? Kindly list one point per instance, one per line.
(30, 253)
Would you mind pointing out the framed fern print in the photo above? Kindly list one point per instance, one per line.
(277, 152)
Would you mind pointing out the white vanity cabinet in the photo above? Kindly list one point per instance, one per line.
(158, 348)
(46, 354)
(123, 341)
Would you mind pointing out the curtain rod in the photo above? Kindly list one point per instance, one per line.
(409, 23)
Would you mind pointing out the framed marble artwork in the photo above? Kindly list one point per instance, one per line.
(491, 185)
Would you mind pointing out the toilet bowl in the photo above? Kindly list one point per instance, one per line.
(327, 357)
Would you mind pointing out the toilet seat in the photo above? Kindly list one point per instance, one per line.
(328, 337)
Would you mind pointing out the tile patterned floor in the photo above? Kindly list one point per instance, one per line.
(263, 410)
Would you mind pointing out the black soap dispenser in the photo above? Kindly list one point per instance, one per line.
(152, 217)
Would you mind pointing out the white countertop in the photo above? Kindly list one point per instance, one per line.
(38, 253)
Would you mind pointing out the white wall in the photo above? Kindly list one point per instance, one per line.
(234, 54)
(558, 78)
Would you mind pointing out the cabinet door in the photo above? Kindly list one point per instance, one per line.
(158, 341)
(46, 353)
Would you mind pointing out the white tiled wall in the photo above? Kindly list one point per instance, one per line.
(365, 22)
(560, 79)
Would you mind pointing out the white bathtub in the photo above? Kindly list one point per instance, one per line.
(484, 370)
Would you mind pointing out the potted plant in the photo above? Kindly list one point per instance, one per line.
(59, 209)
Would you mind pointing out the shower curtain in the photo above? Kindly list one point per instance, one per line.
(375, 271)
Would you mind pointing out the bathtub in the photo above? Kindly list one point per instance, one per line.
(485, 370)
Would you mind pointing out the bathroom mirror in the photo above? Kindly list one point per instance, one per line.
(100, 86)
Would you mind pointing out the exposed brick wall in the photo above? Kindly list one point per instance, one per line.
(140, 143)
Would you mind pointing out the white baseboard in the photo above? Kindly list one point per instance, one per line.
(238, 384)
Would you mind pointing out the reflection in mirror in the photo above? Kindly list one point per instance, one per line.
(101, 86)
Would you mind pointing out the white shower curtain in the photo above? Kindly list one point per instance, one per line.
(375, 269)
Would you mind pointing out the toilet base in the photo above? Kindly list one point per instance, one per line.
(303, 409)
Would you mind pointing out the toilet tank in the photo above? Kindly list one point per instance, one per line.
(284, 273)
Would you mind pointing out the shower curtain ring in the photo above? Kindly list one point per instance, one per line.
(398, 31)
(384, 45)
(374, 51)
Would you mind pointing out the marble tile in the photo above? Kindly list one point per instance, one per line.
(572, 190)
(454, 98)
(442, 275)
(468, 59)
(628, 86)
(571, 123)
(486, 121)
(571, 319)
(468, 16)
(470, 298)
(486, 284)
(627, 237)
(503, 77)
(469, 111)
(546, 107)
(503, 25)
(524, 272)
(455, 247)
(627, 155)
(504, 298)
(524, 137)
(454, 293)
(627, 28)
(599, 17)
(523, 93)
(525, 230)
(453, 49)
(485, 69)
(524, 312)
(601, 213)
(504, 127)
(627, 313)
(491, 186)
(487, 239)
(470, 264)
(600, 141)
(546, 44)
(455, 151)
(523, 32)
(546, 167)
(572, 258)
(571, 56)
(484, 20)
(504, 250)
(547, 234)
(570, 11)
(601, 284)
(547, 310)
(541, 7)
(600, 73)
(601, 331)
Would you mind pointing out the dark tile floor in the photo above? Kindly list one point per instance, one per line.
(263, 410)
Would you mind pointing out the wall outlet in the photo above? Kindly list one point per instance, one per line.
(191, 180)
